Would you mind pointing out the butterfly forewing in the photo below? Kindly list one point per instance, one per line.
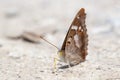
(76, 40)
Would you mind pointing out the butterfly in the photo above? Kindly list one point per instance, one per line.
(74, 48)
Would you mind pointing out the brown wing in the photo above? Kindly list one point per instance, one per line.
(76, 40)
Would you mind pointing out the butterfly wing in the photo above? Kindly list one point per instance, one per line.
(76, 40)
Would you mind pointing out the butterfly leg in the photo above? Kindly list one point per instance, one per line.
(55, 63)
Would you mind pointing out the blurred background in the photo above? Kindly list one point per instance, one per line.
(41, 15)
(49, 16)
(52, 19)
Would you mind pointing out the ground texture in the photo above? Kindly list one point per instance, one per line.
(20, 60)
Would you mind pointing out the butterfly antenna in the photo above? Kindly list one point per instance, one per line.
(29, 35)
(49, 42)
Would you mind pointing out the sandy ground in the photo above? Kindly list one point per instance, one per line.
(20, 60)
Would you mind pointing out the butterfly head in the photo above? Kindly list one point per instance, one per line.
(61, 55)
